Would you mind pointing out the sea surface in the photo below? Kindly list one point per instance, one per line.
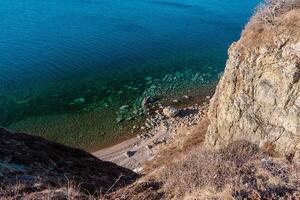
(76, 71)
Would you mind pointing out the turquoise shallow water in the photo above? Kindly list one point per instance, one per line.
(66, 66)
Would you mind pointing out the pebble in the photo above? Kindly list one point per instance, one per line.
(148, 125)
(170, 112)
(149, 147)
(129, 154)
(138, 170)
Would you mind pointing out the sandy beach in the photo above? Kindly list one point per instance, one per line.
(133, 153)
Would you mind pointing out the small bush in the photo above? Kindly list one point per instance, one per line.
(241, 167)
(207, 168)
(271, 9)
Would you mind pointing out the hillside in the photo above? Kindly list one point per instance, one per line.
(251, 146)
(35, 168)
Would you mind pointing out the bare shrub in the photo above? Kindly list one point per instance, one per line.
(274, 21)
(11, 192)
(144, 190)
(207, 168)
(180, 147)
(240, 170)
(271, 9)
(70, 191)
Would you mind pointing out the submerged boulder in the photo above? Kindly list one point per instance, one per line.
(147, 101)
(78, 101)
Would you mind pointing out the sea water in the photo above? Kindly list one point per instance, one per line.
(76, 71)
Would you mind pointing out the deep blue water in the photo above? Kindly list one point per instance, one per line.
(52, 39)
(71, 48)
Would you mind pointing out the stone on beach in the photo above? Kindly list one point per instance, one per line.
(170, 112)
(148, 101)
(186, 97)
(129, 154)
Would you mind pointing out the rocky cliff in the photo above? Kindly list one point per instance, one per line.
(30, 164)
(258, 97)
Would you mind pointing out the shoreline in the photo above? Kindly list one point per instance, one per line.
(134, 152)
(95, 129)
(136, 129)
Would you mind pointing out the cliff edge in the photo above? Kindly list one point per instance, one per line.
(35, 168)
(258, 97)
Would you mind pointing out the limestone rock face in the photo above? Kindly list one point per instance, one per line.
(258, 97)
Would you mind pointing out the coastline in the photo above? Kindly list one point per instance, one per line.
(135, 129)
(134, 152)
(97, 124)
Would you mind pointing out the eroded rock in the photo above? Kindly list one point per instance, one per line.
(258, 97)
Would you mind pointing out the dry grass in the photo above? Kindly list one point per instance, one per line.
(142, 190)
(238, 170)
(270, 149)
(19, 190)
(71, 190)
(272, 19)
(203, 167)
(180, 147)
(270, 10)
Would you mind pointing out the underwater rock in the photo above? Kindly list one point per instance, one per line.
(129, 119)
(77, 101)
(135, 88)
(119, 119)
(124, 107)
(149, 82)
(148, 78)
(177, 83)
(23, 102)
(147, 101)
